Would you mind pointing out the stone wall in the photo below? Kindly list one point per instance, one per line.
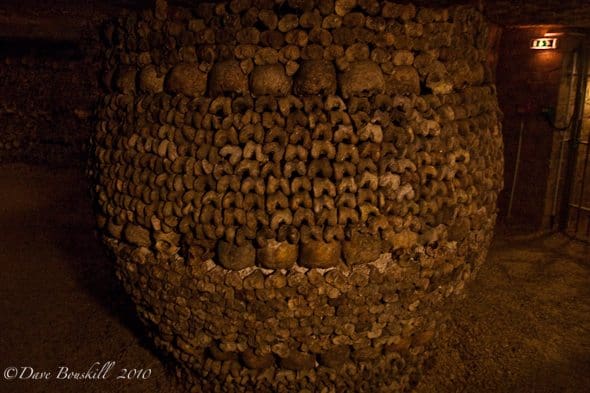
(542, 78)
(578, 223)
(538, 75)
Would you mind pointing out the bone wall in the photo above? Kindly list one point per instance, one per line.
(291, 190)
(49, 91)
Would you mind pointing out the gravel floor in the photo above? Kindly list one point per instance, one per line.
(523, 327)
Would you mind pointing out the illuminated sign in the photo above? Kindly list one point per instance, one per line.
(544, 43)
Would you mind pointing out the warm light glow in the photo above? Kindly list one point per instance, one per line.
(544, 43)
(558, 34)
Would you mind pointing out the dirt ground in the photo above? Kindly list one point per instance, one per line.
(523, 327)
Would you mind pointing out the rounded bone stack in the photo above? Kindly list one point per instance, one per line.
(292, 188)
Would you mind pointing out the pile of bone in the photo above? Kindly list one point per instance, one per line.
(292, 187)
(12, 139)
(38, 124)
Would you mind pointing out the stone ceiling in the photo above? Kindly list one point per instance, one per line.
(563, 12)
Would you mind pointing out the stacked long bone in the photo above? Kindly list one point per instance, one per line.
(292, 188)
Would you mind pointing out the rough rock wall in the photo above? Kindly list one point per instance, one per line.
(291, 189)
(49, 90)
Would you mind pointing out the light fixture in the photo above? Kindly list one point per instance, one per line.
(554, 34)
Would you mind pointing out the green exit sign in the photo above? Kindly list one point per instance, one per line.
(544, 43)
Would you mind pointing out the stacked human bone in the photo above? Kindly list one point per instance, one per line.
(292, 189)
(39, 122)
